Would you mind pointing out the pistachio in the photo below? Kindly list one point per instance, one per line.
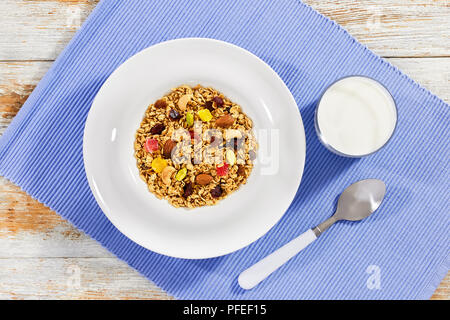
(181, 174)
(189, 119)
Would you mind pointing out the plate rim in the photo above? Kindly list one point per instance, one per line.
(89, 174)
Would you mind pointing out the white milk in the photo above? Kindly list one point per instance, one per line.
(356, 116)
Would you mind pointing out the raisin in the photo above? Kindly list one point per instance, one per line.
(218, 101)
(241, 170)
(174, 114)
(209, 105)
(157, 128)
(216, 192)
(160, 104)
(188, 189)
(213, 138)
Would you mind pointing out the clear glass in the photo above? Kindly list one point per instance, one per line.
(323, 139)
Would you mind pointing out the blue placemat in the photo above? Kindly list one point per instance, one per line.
(400, 252)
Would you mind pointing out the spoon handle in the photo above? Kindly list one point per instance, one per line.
(262, 269)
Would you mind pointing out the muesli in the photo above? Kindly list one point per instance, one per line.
(194, 147)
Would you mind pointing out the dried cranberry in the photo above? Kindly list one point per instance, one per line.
(252, 155)
(188, 189)
(218, 101)
(157, 128)
(160, 104)
(151, 145)
(194, 136)
(222, 170)
(213, 138)
(216, 192)
(174, 114)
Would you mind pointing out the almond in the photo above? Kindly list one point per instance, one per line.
(168, 147)
(203, 179)
(183, 101)
(225, 121)
(166, 174)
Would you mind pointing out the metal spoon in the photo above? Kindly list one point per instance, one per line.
(357, 202)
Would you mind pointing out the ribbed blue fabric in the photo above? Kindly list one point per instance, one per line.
(407, 239)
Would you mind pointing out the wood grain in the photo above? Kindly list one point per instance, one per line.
(42, 256)
(81, 278)
(39, 30)
(394, 28)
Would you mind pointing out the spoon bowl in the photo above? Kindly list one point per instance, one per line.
(360, 200)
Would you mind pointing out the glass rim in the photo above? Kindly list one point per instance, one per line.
(320, 134)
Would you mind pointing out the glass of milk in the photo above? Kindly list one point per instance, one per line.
(356, 116)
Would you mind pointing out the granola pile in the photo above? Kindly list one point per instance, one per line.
(194, 147)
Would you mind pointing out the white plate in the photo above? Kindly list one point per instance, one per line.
(111, 169)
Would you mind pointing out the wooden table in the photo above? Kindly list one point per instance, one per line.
(41, 255)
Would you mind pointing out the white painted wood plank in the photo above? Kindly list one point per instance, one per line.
(94, 278)
(40, 29)
(394, 28)
(431, 73)
(29, 229)
(17, 81)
